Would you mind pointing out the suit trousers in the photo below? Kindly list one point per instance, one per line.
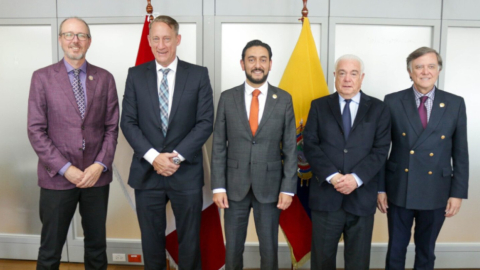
(266, 216)
(427, 228)
(57, 208)
(187, 208)
(327, 228)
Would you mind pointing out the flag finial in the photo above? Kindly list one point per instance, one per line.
(304, 10)
(150, 9)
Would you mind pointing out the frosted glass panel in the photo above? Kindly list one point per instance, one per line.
(23, 49)
(461, 78)
(383, 49)
(114, 47)
(281, 37)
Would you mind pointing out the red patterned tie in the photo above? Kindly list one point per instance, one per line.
(422, 111)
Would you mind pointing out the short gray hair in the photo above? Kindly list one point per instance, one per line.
(351, 57)
(171, 22)
(77, 18)
(421, 52)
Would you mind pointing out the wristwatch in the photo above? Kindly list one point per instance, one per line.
(176, 160)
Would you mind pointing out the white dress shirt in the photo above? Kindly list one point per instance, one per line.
(354, 104)
(262, 99)
(152, 153)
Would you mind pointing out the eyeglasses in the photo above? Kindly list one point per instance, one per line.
(70, 36)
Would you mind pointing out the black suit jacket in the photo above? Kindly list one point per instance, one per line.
(190, 124)
(426, 167)
(364, 153)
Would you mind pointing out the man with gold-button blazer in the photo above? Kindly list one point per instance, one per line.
(426, 175)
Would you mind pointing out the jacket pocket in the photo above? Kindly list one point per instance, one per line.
(447, 172)
(274, 165)
(391, 166)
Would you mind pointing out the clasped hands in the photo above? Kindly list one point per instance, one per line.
(221, 200)
(163, 164)
(344, 184)
(84, 179)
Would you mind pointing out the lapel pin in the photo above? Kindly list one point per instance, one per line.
(274, 96)
(90, 78)
(442, 105)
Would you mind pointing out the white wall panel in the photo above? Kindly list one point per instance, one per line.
(461, 78)
(383, 49)
(26, 49)
(282, 38)
(270, 8)
(401, 9)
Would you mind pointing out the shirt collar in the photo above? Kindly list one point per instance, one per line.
(69, 67)
(263, 89)
(418, 95)
(355, 99)
(172, 66)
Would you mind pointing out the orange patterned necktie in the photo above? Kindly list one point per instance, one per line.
(254, 112)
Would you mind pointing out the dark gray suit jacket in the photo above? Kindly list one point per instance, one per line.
(426, 167)
(364, 153)
(241, 160)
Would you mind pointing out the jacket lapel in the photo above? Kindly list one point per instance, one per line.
(66, 86)
(91, 85)
(362, 110)
(435, 116)
(335, 109)
(180, 81)
(270, 103)
(411, 111)
(152, 91)
(239, 96)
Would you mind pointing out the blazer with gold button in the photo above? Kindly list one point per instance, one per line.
(426, 166)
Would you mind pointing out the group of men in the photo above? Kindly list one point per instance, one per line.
(167, 115)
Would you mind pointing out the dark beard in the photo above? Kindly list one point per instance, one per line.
(259, 81)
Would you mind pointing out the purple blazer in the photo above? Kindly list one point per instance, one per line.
(56, 129)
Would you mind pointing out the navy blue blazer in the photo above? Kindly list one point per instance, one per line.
(426, 167)
(364, 153)
(190, 124)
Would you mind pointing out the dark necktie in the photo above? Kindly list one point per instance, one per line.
(422, 111)
(347, 119)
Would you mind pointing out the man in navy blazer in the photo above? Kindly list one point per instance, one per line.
(347, 137)
(73, 128)
(426, 174)
(167, 116)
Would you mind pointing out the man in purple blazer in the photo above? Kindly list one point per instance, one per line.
(73, 128)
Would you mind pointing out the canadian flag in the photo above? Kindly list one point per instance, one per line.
(211, 237)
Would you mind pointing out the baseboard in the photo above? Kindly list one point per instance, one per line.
(449, 255)
(22, 247)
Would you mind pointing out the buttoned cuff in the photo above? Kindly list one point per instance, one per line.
(182, 159)
(359, 181)
(104, 167)
(288, 193)
(329, 178)
(219, 190)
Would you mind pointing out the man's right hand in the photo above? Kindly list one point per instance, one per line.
(382, 203)
(163, 164)
(220, 199)
(74, 175)
(336, 178)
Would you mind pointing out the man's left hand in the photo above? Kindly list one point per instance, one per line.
(284, 201)
(92, 173)
(453, 206)
(346, 184)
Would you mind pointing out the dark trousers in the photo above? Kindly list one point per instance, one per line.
(57, 208)
(266, 216)
(327, 228)
(187, 208)
(427, 228)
